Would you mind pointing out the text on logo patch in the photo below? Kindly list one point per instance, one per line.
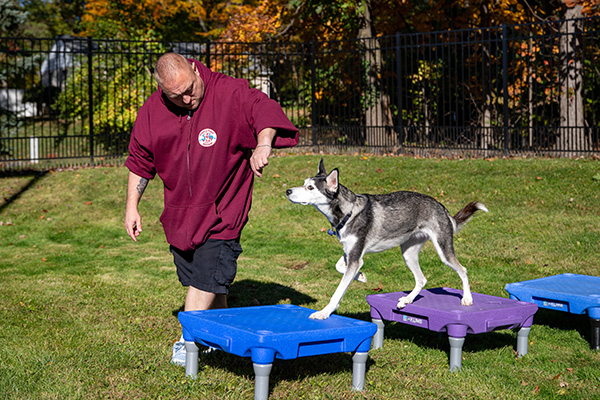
(207, 137)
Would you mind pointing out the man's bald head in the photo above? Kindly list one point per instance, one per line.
(179, 80)
(169, 66)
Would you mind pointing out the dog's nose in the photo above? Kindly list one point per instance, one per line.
(288, 192)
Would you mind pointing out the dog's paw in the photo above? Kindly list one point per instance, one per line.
(361, 277)
(466, 301)
(403, 301)
(319, 315)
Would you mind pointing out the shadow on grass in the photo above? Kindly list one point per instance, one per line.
(294, 370)
(35, 177)
(248, 292)
(395, 333)
(564, 321)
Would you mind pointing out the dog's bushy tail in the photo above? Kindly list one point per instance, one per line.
(463, 216)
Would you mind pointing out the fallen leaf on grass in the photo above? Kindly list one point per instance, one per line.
(378, 288)
(87, 203)
(299, 266)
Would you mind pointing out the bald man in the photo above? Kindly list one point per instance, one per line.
(206, 135)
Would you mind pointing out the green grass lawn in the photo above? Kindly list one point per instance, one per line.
(87, 313)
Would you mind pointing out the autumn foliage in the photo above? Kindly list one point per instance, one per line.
(254, 24)
(588, 7)
(307, 20)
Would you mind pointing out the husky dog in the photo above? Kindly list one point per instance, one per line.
(366, 223)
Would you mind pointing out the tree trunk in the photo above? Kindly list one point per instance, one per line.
(378, 116)
(487, 132)
(572, 136)
(488, 142)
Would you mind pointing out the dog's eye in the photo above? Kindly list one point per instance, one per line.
(310, 187)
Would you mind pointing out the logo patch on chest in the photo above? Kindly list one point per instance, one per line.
(207, 137)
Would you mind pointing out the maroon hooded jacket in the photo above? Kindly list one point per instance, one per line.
(203, 157)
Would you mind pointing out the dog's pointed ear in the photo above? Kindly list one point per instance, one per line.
(321, 168)
(333, 181)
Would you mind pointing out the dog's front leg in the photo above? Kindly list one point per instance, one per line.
(341, 267)
(349, 276)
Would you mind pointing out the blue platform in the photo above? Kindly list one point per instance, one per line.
(572, 293)
(280, 331)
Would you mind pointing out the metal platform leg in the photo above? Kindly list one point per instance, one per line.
(523, 341)
(378, 337)
(261, 383)
(595, 333)
(191, 359)
(456, 345)
(359, 367)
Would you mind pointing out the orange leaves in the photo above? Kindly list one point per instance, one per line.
(133, 16)
(589, 7)
(253, 24)
(378, 288)
(509, 11)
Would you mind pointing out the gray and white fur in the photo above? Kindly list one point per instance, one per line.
(366, 223)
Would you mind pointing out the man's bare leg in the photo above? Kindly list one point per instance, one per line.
(197, 299)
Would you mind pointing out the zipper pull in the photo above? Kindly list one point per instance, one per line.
(189, 115)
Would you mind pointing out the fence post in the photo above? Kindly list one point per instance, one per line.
(400, 130)
(90, 98)
(313, 96)
(505, 88)
(207, 55)
(34, 150)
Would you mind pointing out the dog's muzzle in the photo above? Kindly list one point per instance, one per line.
(290, 196)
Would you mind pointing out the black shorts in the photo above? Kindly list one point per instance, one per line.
(210, 267)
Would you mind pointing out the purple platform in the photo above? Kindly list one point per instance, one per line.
(281, 331)
(440, 310)
(572, 293)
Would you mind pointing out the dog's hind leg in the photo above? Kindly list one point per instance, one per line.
(341, 267)
(445, 250)
(410, 252)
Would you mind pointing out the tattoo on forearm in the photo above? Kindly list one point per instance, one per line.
(142, 185)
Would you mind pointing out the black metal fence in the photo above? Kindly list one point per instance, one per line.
(525, 89)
